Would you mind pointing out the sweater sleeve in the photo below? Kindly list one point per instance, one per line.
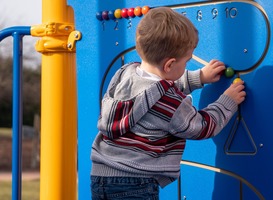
(189, 123)
(189, 81)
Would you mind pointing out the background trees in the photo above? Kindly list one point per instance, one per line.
(31, 92)
(13, 15)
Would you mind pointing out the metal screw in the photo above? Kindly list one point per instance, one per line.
(69, 45)
(245, 50)
(261, 145)
(116, 43)
(76, 35)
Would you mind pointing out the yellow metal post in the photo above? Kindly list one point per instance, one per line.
(58, 171)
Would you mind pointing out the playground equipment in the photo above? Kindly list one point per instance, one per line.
(236, 164)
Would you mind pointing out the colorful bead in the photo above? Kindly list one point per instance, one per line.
(237, 80)
(105, 15)
(137, 11)
(111, 14)
(117, 13)
(229, 72)
(124, 12)
(131, 12)
(145, 9)
(99, 16)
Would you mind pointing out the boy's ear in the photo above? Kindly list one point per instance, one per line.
(168, 64)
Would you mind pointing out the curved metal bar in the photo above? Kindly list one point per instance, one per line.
(258, 6)
(218, 170)
(109, 67)
(223, 171)
(195, 57)
(17, 33)
(21, 30)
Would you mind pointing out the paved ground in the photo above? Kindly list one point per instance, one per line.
(6, 176)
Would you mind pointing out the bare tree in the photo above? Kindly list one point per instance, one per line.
(31, 92)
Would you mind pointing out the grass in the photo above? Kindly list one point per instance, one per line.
(5, 132)
(30, 190)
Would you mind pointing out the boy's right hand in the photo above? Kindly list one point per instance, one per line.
(236, 92)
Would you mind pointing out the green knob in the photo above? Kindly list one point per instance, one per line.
(229, 72)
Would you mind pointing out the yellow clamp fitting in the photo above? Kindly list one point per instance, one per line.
(73, 37)
(56, 37)
(52, 29)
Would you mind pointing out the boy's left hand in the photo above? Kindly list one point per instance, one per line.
(211, 72)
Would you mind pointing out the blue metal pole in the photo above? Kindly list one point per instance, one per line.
(17, 33)
(17, 117)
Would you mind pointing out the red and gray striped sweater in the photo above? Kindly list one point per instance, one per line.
(144, 125)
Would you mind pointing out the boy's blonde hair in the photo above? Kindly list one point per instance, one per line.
(164, 33)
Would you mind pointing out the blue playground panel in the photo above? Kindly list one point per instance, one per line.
(239, 34)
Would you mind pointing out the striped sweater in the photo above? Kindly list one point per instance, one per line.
(144, 125)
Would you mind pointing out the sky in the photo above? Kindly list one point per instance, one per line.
(21, 13)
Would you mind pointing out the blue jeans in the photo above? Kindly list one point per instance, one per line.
(125, 188)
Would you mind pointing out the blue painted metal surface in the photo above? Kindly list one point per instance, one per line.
(236, 32)
(17, 33)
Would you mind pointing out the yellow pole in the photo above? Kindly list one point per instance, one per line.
(58, 171)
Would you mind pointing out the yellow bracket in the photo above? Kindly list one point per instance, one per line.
(73, 37)
(56, 37)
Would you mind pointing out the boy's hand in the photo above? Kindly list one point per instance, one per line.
(236, 92)
(212, 71)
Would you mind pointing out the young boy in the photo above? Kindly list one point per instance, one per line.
(146, 116)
